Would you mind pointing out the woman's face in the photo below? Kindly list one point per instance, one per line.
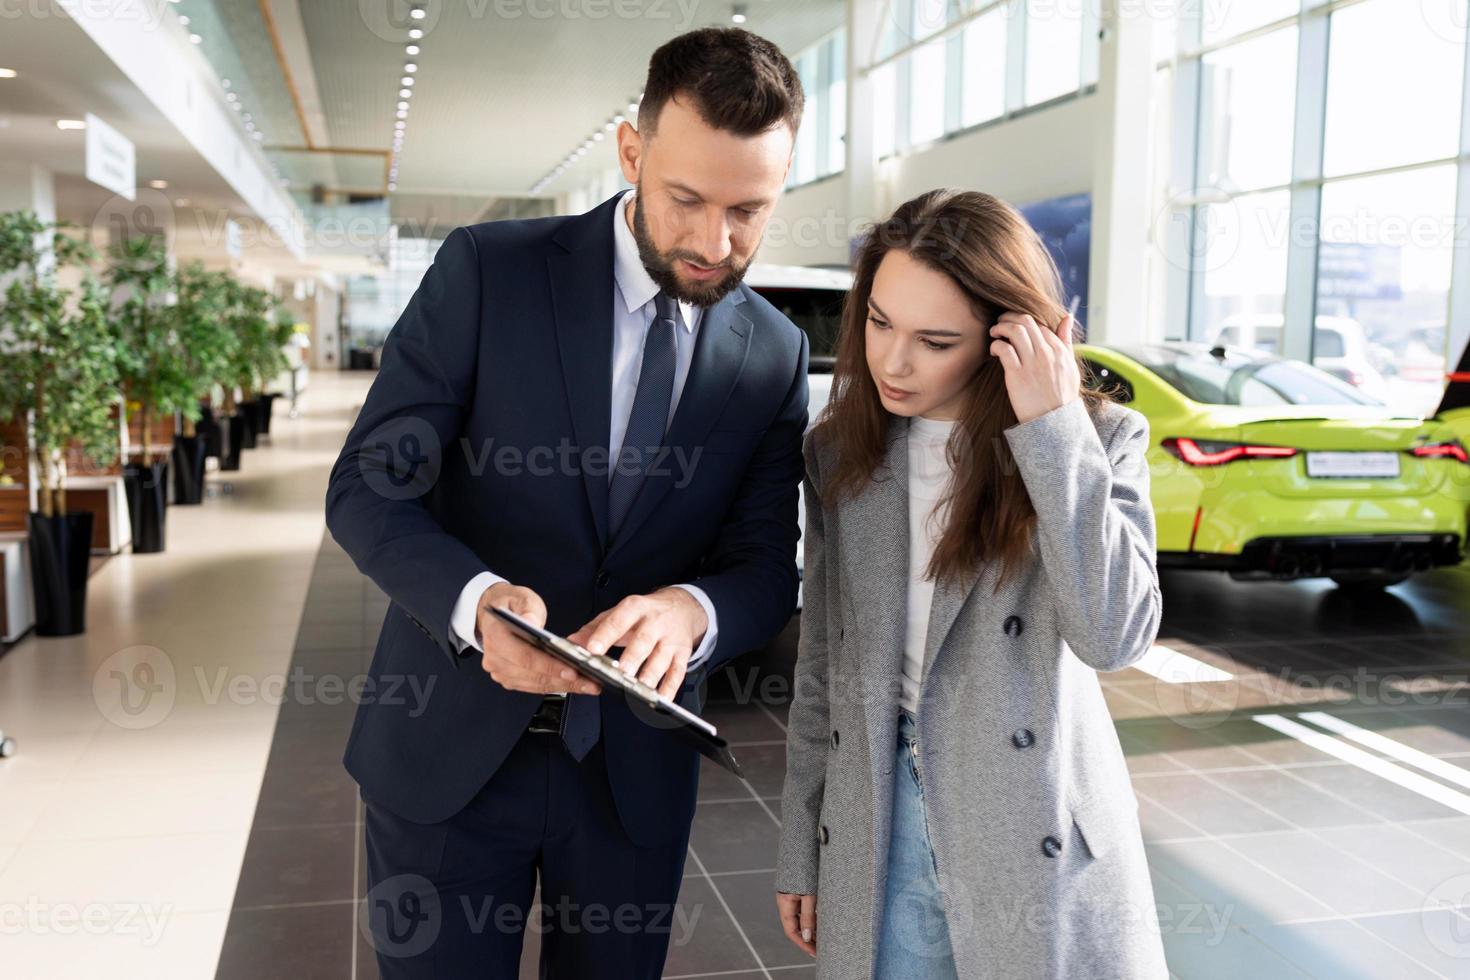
(924, 342)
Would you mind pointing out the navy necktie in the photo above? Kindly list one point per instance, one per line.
(647, 421)
(649, 417)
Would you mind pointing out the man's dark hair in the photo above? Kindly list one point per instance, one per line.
(737, 81)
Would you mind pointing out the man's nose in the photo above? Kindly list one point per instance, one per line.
(715, 246)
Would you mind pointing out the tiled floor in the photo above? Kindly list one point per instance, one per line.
(1282, 843)
(1271, 857)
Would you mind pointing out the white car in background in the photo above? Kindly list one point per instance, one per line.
(811, 298)
(1340, 347)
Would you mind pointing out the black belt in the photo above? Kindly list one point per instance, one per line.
(549, 715)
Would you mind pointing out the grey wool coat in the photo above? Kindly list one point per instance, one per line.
(1032, 816)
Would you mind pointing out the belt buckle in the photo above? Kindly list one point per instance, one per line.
(550, 715)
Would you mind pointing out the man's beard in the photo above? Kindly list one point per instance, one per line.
(661, 267)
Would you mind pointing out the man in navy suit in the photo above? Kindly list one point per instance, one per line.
(592, 421)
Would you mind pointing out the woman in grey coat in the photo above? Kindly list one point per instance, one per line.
(980, 543)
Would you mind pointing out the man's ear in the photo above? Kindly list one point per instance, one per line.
(630, 152)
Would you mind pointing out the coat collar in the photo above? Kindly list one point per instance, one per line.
(875, 547)
(581, 277)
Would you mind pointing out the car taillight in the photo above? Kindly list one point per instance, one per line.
(1213, 452)
(1453, 449)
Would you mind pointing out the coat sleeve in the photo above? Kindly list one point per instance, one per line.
(808, 720)
(391, 460)
(1096, 529)
(750, 572)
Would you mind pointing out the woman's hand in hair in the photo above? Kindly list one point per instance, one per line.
(1041, 369)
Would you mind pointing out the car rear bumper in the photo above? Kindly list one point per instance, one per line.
(1291, 557)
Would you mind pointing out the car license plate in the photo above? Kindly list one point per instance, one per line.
(1353, 465)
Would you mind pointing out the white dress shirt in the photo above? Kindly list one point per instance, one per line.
(929, 477)
(633, 313)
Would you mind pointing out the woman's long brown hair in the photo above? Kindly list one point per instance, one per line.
(989, 251)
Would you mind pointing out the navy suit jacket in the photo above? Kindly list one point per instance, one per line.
(482, 445)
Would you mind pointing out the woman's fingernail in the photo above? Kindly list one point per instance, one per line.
(806, 935)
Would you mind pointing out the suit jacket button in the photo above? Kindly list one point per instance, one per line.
(1013, 626)
(1051, 846)
(1023, 738)
(603, 578)
(834, 738)
(823, 834)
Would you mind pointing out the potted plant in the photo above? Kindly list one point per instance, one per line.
(205, 344)
(57, 370)
(154, 373)
(255, 333)
(276, 361)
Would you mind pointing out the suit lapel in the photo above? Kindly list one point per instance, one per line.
(720, 348)
(581, 292)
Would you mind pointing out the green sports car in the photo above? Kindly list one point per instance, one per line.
(1268, 468)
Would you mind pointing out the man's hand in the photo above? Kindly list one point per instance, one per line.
(510, 661)
(658, 633)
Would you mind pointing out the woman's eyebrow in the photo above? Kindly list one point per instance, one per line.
(921, 333)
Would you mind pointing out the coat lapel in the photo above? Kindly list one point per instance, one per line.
(720, 347)
(581, 294)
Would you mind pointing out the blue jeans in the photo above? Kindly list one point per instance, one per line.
(913, 942)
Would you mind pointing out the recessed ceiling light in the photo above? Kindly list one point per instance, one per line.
(231, 97)
(403, 105)
(415, 33)
(7, 72)
(402, 113)
(405, 93)
(411, 67)
(411, 49)
(195, 39)
(632, 108)
(405, 80)
(158, 185)
(417, 13)
(597, 136)
(225, 82)
(183, 20)
(71, 124)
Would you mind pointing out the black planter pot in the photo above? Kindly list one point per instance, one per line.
(233, 437)
(208, 429)
(146, 487)
(267, 402)
(250, 412)
(188, 462)
(60, 548)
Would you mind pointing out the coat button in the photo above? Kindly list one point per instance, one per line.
(823, 834)
(603, 578)
(1023, 738)
(1013, 626)
(1051, 846)
(834, 738)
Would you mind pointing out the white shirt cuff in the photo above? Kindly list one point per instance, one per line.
(462, 619)
(707, 645)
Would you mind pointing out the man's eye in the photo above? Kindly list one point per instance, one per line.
(683, 203)
(749, 212)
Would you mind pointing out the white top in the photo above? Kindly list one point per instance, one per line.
(632, 314)
(929, 473)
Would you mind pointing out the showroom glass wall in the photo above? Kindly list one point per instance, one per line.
(943, 67)
(1312, 153)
